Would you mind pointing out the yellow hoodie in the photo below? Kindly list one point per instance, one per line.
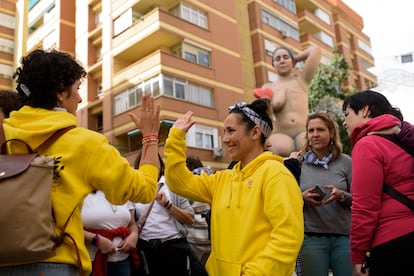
(85, 162)
(257, 218)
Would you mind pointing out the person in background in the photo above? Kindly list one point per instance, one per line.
(256, 207)
(48, 82)
(162, 233)
(288, 96)
(327, 218)
(382, 229)
(111, 235)
(199, 232)
(9, 101)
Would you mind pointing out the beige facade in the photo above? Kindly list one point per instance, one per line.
(7, 43)
(194, 55)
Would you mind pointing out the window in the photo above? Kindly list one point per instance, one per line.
(190, 56)
(6, 45)
(279, 24)
(163, 85)
(6, 71)
(124, 21)
(287, 4)
(202, 137)
(182, 89)
(325, 38)
(407, 58)
(364, 46)
(322, 16)
(7, 21)
(199, 94)
(191, 14)
(120, 103)
(193, 53)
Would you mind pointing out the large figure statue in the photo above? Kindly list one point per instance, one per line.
(289, 97)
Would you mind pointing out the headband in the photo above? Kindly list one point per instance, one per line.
(253, 116)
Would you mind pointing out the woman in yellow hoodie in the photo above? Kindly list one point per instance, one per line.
(257, 219)
(85, 161)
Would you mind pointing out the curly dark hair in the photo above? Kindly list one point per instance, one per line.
(44, 74)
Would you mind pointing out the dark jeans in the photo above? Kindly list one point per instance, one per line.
(172, 257)
(121, 268)
(394, 257)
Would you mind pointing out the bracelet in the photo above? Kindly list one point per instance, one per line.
(150, 141)
(166, 203)
(95, 239)
(169, 206)
(150, 137)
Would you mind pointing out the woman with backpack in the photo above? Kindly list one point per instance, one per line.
(382, 228)
(84, 160)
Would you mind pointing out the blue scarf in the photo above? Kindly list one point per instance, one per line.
(311, 158)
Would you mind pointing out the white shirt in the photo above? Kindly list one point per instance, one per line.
(160, 223)
(98, 213)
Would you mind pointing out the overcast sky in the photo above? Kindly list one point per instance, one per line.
(390, 28)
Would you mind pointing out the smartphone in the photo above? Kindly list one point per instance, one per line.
(319, 190)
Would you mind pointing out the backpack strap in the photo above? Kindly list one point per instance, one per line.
(52, 138)
(398, 196)
(390, 190)
(43, 146)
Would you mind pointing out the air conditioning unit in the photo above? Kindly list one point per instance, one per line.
(284, 33)
(218, 152)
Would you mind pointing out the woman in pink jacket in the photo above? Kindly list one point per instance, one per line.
(382, 227)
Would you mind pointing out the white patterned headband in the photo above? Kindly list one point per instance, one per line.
(253, 116)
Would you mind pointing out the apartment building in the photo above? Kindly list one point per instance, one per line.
(7, 42)
(190, 55)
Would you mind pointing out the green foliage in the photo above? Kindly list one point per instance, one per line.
(328, 81)
(326, 92)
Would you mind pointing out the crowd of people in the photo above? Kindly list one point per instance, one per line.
(317, 211)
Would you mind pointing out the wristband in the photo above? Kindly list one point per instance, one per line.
(95, 239)
(169, 206)
(166, 204)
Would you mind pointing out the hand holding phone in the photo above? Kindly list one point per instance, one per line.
(319, 190)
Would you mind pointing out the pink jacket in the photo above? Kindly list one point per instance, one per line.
(376, 217)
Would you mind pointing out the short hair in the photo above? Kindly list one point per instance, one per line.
(44, 74)
(377, 103)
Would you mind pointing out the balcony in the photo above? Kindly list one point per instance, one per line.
(42, 32)
(310, 23)
(151, 64)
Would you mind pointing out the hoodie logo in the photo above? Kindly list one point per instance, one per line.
(58, 167)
